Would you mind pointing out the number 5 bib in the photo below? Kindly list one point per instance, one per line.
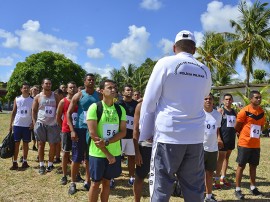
(109, 130)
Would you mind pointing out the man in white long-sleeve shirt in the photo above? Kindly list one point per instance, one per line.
(173, 107)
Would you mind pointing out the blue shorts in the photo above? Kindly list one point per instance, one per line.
(79, 149)
(22, 133)
(100, 168)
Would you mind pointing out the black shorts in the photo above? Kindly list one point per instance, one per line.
(66, 141)
(143, 170)
(210, 160)
(248, 155)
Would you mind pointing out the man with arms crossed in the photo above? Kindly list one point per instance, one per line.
(105, 147)
(173, 107)
(127, 142)
(227, 134)
(65, 134)
(82, 100)
(45, 125)
(249, 123)
(21, 123)
(211, 144)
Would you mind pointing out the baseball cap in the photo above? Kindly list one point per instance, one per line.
(184, 35)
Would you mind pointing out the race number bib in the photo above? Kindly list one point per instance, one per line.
(74, 118)
(210, 127)
(255, 131)
(109, 130)
(130, 121)
(84, 116)
(24, 112)
(49, 111)
(230, 121)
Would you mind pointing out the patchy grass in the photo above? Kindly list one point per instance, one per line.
(28, 185)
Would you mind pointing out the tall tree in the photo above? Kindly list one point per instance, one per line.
(251, 37)
(42, 65)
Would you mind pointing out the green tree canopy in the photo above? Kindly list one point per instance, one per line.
(42, 65)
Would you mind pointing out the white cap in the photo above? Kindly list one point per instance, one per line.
(184, 35)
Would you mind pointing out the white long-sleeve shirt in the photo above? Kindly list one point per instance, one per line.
(173, 100)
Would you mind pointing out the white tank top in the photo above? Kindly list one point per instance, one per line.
(23, 116)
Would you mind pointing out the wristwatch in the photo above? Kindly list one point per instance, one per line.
(106, 142)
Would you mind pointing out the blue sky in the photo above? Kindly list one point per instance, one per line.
(104, 34)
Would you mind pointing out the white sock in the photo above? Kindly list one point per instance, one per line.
(237, 188)
(41, 163)
(14, 161)
(252, 187)
(208, 196)
(85, 182)
(50, 163)
(24, 160)
(222, 177)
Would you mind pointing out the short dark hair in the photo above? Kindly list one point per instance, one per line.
(89, 74)
(127, 85)
(71, 82)
(46, 79)
(252, 93)
(185, 45)
(25, 84)
(227, 94)
(102, 83)
(59, 91)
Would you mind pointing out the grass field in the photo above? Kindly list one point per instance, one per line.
(28, 185)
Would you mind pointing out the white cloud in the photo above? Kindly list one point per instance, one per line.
(104, 72)
(132, 49)
(90, 40)
(32, 40)
(217, 17)
(94, 53)
(166, 45)
(151, 4)
(8, 61)
(11, 39)
(198, 38)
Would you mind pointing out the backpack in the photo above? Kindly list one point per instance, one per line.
(7, 146)
(100, 111)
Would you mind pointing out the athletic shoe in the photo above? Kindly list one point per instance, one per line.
(34, 148)
(217, 184)
(57, 160)
(79, 178)
(131, 181)
(212, 199)
(225, 183)
(25, 165)
(42, 170)
(112, 184)
(49, 168)
(256, 192)
(86, 186)
(14, 166)
(63, 180)
(72, 189)
(239, 195)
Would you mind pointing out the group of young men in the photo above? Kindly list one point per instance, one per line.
(174, 136)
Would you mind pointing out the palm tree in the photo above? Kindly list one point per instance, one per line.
(214, 53)
(251, 37)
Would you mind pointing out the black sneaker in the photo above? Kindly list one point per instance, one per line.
(79, 178)
(63, 180)
(86, 186)
(49, 168)
(14, 166)
(25, 165)
(57, 160)
(42, 170)
(256, 192)
(239, 195)
(72, 189)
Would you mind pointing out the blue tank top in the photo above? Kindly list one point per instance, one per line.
(83, 105)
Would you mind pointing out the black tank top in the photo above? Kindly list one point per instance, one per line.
(227, 133)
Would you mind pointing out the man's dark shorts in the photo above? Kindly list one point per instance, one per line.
(100, 168)
(66, 141)
(22, 133)
(210, 160)
(230, 145)
(143, 170)
(248, 155)
(79, 148)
